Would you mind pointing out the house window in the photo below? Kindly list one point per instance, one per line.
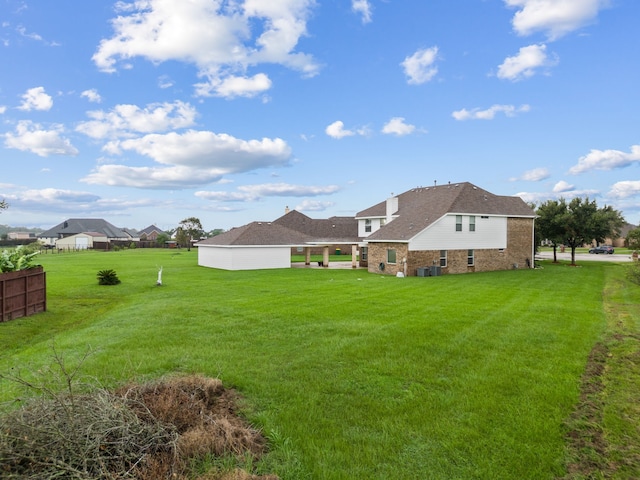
(367, 225)
(458, 223)
(363, 253)
(472, 223)
(383, 221)
(443, 258)
(391, 255)
(470, 258)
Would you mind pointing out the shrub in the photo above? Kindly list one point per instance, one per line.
(108, 277)
(18, 259)
(633, 273)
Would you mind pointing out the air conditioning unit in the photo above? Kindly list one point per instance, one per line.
(435, 271)
(422, 271)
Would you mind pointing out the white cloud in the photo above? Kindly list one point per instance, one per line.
(526, 62)
(313, 206)
(203, 148)
(337, 130)
(560, 190)
(554, 17)
(175, 177)
(535, 175)
(31, 137)
(563, 187)
(125, 120)
(36, 99)
(625, 189)
(53, 195)
(363, 8)
(189, 159)
(256, 192)
(2, 109)
(74, 202)
(490, 113)
(164, 81)
(606, 160)
(223, 39)
(419, 67)
(32, 36)
(397, 126)
(92, 95)
(232, 86)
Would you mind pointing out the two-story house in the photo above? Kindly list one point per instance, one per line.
(454, 228)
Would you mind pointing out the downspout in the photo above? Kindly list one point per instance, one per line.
(533, 243)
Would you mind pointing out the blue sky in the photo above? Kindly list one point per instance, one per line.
(152, 111)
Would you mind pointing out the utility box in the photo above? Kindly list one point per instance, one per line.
(435, 271)
(422, 271)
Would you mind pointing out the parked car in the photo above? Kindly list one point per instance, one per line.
(602, 249)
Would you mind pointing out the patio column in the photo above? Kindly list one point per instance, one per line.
(307, 255)
(325, 256)
(354, 253)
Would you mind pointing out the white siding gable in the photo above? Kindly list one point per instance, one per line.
(490, 232)
(376, 223)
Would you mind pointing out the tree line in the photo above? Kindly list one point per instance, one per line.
(576, 223)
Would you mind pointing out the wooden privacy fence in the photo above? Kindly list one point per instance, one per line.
(22, 293)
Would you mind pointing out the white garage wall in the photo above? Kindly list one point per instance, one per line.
(245, 257)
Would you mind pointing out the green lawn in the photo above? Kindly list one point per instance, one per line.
(352, 375)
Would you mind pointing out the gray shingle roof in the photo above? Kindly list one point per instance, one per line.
(258, 233)
(149, 230)
(73, 226)
(420, 207)
(334, 229)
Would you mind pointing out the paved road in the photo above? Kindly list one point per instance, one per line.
(585, 256)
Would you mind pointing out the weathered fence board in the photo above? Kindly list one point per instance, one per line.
(22, 293)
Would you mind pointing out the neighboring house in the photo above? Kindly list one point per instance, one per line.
(620, 241)
(456, 228)
(20, 235)
(255, 246)
(82, 241)
(73, 226)
(453, 228)
(150, 233)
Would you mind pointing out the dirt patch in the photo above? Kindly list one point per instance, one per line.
(586, 442)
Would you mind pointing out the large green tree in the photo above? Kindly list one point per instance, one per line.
(550, 223)
(188, 229)
(584, 222)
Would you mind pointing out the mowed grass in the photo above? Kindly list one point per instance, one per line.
(351, 375)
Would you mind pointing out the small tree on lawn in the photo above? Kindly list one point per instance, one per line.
(584, 222)
(549, 224)
(191, 228)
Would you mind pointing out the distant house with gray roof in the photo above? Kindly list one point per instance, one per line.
(150, 233)
(74, 226)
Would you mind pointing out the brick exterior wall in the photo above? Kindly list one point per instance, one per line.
(516, 255)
